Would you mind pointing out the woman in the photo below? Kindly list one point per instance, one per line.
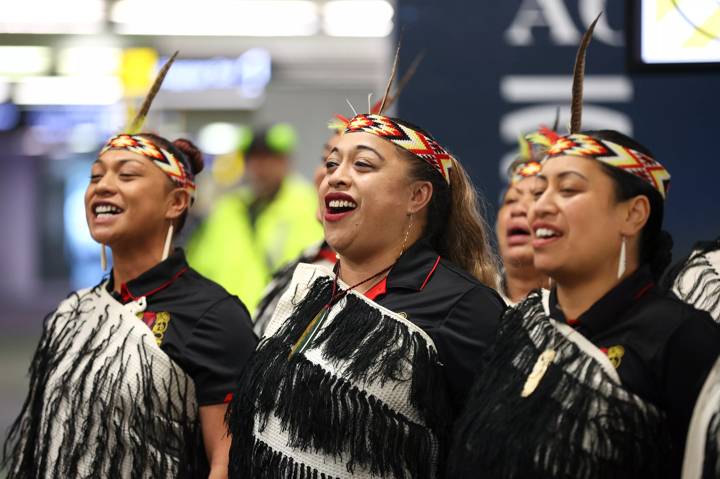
(512, 227)
(361, 370)
(696, 279)
(597, 378)
(131, 377)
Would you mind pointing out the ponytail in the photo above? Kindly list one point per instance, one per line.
(455, 225)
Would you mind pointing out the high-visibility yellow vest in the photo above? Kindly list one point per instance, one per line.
(228, 250)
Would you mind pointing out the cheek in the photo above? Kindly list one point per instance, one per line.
(503, 217)
(145, 198)
(590, 225)
(88, 195)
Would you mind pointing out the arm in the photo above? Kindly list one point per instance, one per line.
(216, 439)
(220, 345)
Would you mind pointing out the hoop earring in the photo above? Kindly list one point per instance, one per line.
(622, 262)
(168, 242)
(103, 257)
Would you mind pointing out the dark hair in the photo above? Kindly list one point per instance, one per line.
(190, 156)
(456, 226)
(655, 243)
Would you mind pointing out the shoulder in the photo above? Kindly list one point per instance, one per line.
(670, 311)
(73, 299)
(229, 202)
(470, 289)
(677, 324)
(213, 295)
(467, 298)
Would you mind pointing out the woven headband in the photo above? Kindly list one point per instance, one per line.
(406, 138)
(585, 146)
(532, 150)
(632, 161)
(169, 163)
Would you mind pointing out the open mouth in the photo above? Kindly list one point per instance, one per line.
(106, 210)
(518, 235)
(340, 206)
(544, 233)
(518, 231)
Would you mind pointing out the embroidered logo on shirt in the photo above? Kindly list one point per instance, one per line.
(615, 354)
(158, 324)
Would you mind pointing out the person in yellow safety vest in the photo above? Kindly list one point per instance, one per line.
(267, 222)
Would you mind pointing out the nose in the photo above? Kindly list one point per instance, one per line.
(543, 206)
(340, 178)
(519, 209)
(106, 185)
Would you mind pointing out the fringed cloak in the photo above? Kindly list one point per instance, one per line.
(104, 400)
(365, 399)
(702, 450)
(578, 423)
(697, 279)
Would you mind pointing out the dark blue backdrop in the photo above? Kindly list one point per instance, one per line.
(493, 67)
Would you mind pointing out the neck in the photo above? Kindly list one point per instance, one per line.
(353, 270)
(519, 281)
(576, 297)
(129, 263)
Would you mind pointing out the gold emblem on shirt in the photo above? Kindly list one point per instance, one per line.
(162, 319)
(615, 354)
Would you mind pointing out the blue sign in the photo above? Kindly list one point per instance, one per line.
(249, 72)
(493, 70)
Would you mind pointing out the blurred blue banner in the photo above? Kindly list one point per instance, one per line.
(493, 70)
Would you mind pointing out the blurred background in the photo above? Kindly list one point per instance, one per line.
(71, 72)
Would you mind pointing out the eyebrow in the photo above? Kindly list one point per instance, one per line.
(565, 174)
(362, 148)
(121, 161)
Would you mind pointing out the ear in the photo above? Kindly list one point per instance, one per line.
(420, 194)
(636, 212)
(178, 202)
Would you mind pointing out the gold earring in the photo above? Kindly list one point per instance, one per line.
(407, 233)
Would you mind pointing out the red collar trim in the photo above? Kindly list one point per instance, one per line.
(127, 296)
(327, 254)
(427, 278)
(643, 290)
(380, 288)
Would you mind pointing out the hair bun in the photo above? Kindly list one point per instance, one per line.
(192, 152)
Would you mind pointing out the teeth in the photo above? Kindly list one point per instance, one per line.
(107, 209)
(544, 233)
(342, 204)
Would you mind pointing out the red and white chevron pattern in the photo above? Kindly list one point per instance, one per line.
(406, 138)
(165, 160)
(627, 159)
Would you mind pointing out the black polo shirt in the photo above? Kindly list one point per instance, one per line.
(459, 313)
(661, 347)
(204, 329)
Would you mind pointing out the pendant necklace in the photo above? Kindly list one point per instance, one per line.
(314, 327)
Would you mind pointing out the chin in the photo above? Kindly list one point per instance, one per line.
(338, 242)
(547, 264)
(519, 259)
